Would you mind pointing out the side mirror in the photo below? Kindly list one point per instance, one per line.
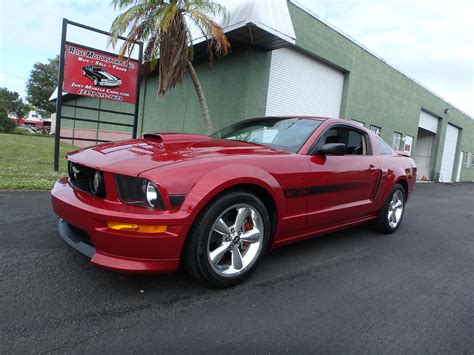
(333, 149)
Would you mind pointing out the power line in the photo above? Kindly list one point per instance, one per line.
(15, 76)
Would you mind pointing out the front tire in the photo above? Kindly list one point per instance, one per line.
(228, 239)
(391, 215)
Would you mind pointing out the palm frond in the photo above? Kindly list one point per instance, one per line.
(210, 8)
(168, 16)
(161, 26)
(173, 54)
(216, 39)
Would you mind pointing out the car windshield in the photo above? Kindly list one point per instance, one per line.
(288, 134)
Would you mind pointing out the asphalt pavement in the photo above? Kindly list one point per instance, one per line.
(352, 291)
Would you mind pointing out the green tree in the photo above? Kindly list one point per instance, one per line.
(41, 84)
(6, 124)
(161, 25)
(11, 102)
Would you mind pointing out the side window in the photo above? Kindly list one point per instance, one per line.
(382, 147)
(354, 140)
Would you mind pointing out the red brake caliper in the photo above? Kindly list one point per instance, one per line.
(247, 227)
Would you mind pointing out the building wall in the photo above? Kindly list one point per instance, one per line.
(235, 88)
(375, 93)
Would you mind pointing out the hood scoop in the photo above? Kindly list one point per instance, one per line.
(174, 137)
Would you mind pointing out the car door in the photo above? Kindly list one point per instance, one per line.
(342, 186)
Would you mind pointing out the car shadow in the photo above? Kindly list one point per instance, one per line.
(276, 263)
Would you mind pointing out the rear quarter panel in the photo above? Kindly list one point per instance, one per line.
(395, 169)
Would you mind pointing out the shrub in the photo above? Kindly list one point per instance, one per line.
(6, 124)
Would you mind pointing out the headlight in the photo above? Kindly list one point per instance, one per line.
(151, 194)
(137, 191)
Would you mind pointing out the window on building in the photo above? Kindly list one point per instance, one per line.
(467, 160)
(383, 147)
(408, 144)
(376, 129)
(397, 140)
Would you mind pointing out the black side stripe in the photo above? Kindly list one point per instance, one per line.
(304, 191)
(295, 193)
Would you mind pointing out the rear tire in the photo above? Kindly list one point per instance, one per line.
(391, 215)
(227, 240)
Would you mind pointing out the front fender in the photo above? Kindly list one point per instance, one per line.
(225, 177)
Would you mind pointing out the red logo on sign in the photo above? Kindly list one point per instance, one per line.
(94, 73)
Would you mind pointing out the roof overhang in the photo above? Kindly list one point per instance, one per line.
(263, 23)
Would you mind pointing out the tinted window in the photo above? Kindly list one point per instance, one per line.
(287, 134)
(354, 140)
(382, 146)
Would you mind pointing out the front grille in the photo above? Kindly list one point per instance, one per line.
(81, 177)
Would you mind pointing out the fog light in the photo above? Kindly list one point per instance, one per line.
(132, 227)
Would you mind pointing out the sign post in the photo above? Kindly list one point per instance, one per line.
(94, 73)
(59, 100)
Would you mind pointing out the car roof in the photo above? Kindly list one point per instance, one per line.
(297, 116)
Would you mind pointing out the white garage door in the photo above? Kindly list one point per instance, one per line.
(449, 153)
(428, 122)
(301, 85)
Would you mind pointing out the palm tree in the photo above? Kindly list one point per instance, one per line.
(161, 25)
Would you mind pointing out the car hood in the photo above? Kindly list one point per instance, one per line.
(133, 157)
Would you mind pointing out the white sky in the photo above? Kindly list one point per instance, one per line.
(429, 40)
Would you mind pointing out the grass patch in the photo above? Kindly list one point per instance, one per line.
(26, 162)
(21, 130)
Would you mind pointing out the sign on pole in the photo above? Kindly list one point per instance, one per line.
(94, 73)
(98, 74)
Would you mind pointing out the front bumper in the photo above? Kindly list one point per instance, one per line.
(83, 225)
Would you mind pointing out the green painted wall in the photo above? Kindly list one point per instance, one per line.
(375, 93)
(235, 88)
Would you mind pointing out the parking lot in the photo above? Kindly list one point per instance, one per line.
(352, 291)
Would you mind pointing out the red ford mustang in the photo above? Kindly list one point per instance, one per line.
(216, 204)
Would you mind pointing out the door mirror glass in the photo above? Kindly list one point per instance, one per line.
(332, 149)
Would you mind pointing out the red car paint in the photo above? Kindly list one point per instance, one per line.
(313, 195)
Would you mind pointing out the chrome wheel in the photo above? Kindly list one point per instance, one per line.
(395, 209)
(235, 241)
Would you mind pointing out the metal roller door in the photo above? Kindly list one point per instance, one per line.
(301, 85)
(449, 154)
